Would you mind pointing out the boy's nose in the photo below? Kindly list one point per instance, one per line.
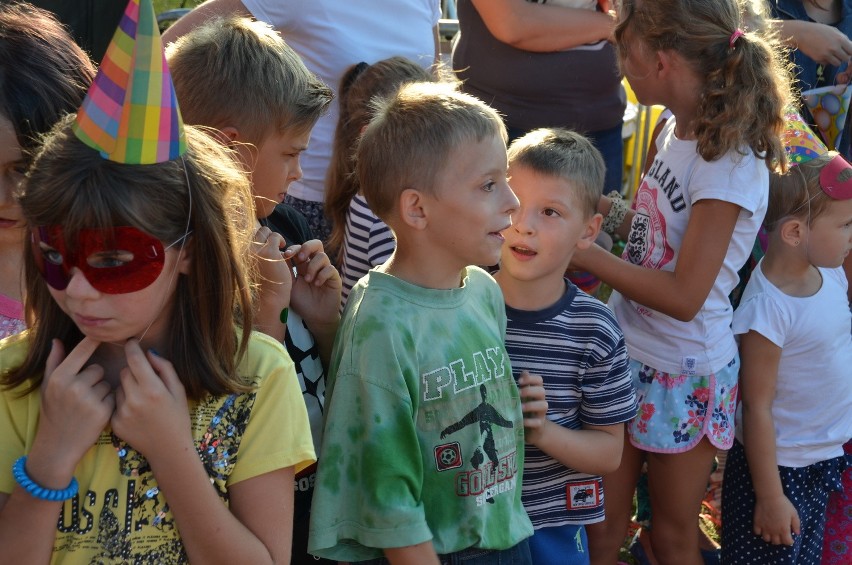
(521, 222)
(296, 173)
(512, 202)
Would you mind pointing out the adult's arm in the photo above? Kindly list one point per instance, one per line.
(823, 43)
(201, 14)
(543, 27)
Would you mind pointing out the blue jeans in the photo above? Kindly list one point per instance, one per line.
(611, 145)
(517, 555)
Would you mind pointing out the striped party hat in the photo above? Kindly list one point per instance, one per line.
(130, 113)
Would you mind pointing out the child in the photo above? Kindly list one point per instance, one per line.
(423, 437)
(160, 396)
(359, 239)
(794, 320)
(43, 75)
(280, 101)
(567, 336)
(698, 211)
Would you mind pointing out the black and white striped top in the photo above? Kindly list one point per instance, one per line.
(367, 242)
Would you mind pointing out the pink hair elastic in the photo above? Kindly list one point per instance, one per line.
(734, 36)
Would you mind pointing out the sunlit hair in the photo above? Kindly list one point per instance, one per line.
(359, 85)
(564, 154)
(43, 73)
(755, 15)
(412, 136)
(745, 87)
(798, 193)
(72, 186)
(239, 72)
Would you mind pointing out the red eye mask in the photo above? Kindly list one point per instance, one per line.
(114, 261)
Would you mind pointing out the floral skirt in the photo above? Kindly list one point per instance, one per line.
(676, 411)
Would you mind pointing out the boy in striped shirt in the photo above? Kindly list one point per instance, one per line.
(569, 338)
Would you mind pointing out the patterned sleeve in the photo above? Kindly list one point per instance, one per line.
(277, 434)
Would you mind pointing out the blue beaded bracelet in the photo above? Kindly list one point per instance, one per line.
(20, 473)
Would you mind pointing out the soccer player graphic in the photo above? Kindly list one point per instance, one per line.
(487, 416)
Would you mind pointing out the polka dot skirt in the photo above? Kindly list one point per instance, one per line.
(807, 488)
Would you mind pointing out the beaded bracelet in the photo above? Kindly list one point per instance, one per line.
(615, 216)
(20, 473)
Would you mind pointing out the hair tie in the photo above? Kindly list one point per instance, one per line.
(734, 36)
(352, 74)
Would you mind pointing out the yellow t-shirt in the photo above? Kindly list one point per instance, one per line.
(119, 515)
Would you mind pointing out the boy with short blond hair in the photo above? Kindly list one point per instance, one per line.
(423, 419)
(239, 77)
(566, 336)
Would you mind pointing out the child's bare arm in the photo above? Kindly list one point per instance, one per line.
(316, 295)
(276, 281)
(76, 405)
(420, 554)
(682, 293)
(774, 515)
(595, 450)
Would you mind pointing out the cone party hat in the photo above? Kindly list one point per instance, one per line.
(800, 142)
(130, 113)
(802, 145)
(829, 106)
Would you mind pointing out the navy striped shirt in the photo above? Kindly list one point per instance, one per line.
(578, 349)
(367, 242)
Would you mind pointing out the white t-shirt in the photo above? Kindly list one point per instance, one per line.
(677, 179)
(812, 410)
(333, 35)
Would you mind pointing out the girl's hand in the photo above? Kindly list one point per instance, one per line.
(316, 292)
(276, 277)
(533, 405)
(76, 405)
(150, 407)
(774, 520)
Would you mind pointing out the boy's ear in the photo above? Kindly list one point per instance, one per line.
(228, 134)
(792, 231)
(412, 210)
(590, 233)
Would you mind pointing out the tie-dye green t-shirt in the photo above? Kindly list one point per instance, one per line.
(424, 433)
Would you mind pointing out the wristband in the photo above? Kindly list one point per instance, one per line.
(19, 471)
(284, 315)
(615, 216)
